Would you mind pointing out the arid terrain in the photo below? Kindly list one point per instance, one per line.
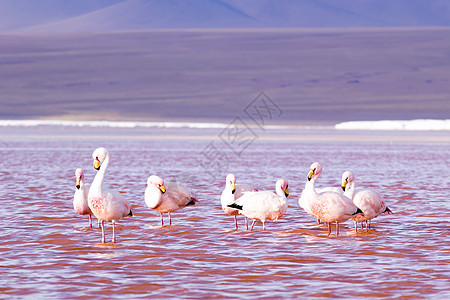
(315, 76)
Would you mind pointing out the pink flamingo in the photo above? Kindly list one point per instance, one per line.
(166, 198)
(229, 195)
(80, 203)
(263, 205)
(369, 201)
(107, 205)
(328, 206)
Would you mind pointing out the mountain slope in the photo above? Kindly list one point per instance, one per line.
(113, 15)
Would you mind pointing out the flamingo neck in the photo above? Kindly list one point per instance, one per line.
(154, 197)
(97, 183)
(309, 194)
(350, 191)
(228, 196)
(310, 186)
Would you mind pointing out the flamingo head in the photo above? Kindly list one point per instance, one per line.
(157, 182)
(347, 177)
(231, 181)
(79, 174)
(99, 155)
(282, 187)
(314, 171)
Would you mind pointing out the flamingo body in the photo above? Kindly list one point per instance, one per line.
(107, 205)
(328, 206)
(232, 192)
(80, 202)
(264, 205)
(166, 197)
(369, 201)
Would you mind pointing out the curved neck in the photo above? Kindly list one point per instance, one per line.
(153, 197)
(350, 190)
(280, 192)
(97, 183)
(227, 196)
(310, 185)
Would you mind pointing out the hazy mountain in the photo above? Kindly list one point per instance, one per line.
(112, 15)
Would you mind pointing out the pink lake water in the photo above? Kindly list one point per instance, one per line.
(48, 251)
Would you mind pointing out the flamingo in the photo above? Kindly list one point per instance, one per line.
(303, 204)
(107, 205)
(229, 195)
(328, 206)
(80, 203)
(263, 205)
(369, 201)
(166, 198)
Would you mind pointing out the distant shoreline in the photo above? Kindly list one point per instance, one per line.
(409, 125)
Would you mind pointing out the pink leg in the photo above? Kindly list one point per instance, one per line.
(366, 226)
(362, 225)
(246, 223)
(318, 221)
(103, 232)
(162, 220)
(329, 228)
(90, 221)
(369, 224)
(337, 228)
(114, 233)
(99, 224)
(235, 223)
(253, 223)
(264, 225)
(356, 226)
(170, 221)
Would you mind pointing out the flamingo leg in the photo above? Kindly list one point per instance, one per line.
(356, 226)
(235, 223)
(170, 220)
(264, 225)
(337, 228)
(99, 224)
(90, 221)
(369, 223)
(318, 221)
(329, 229)
(103, 232)
(114, 233)
(246, 223)
(162, 220)
(366, 226)
(253, 223)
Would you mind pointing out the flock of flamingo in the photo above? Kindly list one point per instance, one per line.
(331, 205)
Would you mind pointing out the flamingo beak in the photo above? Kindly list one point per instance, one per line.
(310, 174)
(78, 182)
(233, 188)
(96, 164)
(344, 184)
(286, 192)
(163, 189)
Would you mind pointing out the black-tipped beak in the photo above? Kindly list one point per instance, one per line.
(78, 186)
(309, 178)
(343, 188)
(233, 191)
(96, 164)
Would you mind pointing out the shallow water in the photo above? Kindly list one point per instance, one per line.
(48, 251)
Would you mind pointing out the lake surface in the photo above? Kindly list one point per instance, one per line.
(48, 251)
